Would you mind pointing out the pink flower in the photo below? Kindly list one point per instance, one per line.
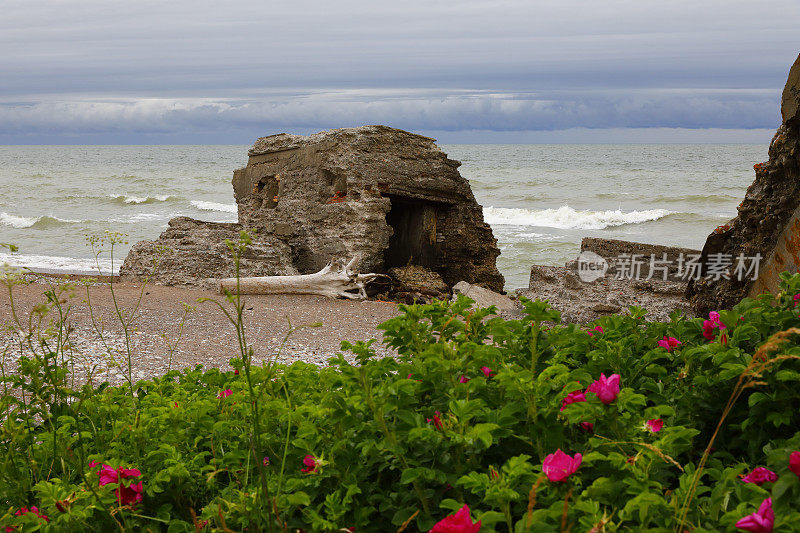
(33, 510)
(108, 475)
(126, 494)
(225, 393)
(796, 299)
(236, 372)
(587, 426)
(760, 475)
(463, 379)
(711, 324)
(559, 466)
(655, 425)
(598, 329)
(23, 511)
(93, 464)
(265, 461)
(437, 421)
(310, 463)
(573, 397)
(794, 463)
(606, 389)
(668, 343)
(130, 495)
(762, 521)
(461, 522)
(487, 371)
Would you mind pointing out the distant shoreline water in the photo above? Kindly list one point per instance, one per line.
(539, 199)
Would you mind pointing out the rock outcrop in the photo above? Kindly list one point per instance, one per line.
(767, 224)
(389, 196)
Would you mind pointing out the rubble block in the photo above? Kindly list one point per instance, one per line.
(484, 297)
(767, 224)
(668, 262)
(414, 283)
(582, 302)
(388, 196)
(193, 252)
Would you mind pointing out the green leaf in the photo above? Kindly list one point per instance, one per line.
(299, 498)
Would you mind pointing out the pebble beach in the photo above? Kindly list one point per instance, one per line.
(165, 336)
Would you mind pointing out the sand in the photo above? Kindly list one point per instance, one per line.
(204, 336)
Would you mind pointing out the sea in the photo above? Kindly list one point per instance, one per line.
(540, 200)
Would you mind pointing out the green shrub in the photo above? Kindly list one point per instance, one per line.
(465, 414)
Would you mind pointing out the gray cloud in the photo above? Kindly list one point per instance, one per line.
(126, 69)
(415, 109)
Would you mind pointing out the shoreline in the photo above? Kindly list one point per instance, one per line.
(72, 275)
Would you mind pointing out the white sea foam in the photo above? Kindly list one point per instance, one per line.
(49, 263)
(536, 236)
(135, 200)
(17, 222)
(144, 217)
(566, 217)
(28, 222)
(214, 206)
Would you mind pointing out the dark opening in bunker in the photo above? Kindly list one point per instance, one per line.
(266, 191)
(414, 238)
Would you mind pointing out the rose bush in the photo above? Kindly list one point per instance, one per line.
(552, 429)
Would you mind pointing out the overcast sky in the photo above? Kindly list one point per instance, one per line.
(108, 71)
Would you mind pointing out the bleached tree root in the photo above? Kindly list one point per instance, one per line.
(335, 280)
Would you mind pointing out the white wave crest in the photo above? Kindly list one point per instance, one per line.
(144, 217)
(214, 206)
(127, 199)
(17, 222)
(37, 222)
(48, 263)
(566, 217)
(536, 236)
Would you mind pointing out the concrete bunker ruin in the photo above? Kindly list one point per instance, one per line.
(390, 197)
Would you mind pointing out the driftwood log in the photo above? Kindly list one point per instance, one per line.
(335, 280)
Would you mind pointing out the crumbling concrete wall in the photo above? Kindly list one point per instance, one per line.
(193, 252)
(390, 196)
(614, 291)
(634, 260)
(768, 220)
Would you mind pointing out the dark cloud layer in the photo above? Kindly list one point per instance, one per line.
(220, 72)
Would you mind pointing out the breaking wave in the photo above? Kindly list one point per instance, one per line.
(137, 200)
(15, 221)
(58, 264)
(41, 222)
(566, 217)
(214, 206)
